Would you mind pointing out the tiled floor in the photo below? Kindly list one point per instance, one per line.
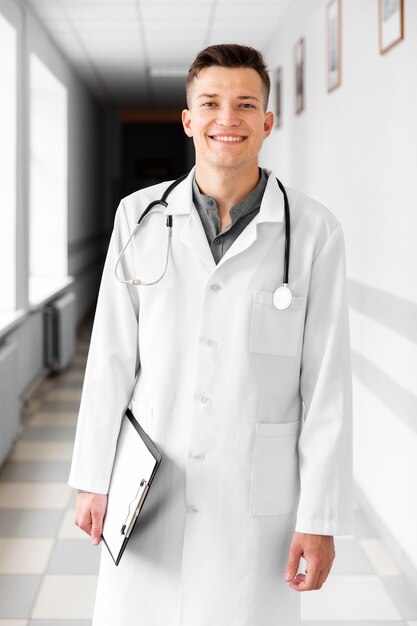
(48, 568)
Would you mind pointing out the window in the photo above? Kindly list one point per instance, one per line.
(48, 189)
(8, 122)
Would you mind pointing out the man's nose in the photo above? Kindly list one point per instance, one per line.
(228, 116)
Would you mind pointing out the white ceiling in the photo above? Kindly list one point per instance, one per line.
(115, 45)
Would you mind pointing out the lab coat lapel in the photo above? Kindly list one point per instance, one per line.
(271, 210)
(190, 228)
(194, 237)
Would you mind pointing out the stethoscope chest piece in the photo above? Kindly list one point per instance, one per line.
(282, 297)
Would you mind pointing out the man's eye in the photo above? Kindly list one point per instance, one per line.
(247, 105)
(208, 104)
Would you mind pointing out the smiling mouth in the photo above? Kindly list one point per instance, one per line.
(227, 138)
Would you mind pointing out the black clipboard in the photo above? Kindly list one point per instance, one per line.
(135, 465)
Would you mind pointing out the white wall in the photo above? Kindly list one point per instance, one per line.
(355, 150)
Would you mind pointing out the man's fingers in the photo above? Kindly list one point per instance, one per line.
(90, 511)
(97, 526)
(307, 581)
(298, 579)
(318, 551)
(312, 575)
(293, 562)
(83, 521)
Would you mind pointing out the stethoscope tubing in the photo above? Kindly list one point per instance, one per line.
(287, 233)
(163, 200)
(284, 289)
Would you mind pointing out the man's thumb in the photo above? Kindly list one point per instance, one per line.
(293, 563)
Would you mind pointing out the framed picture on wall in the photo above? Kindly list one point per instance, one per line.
(334, 43)
(391, 23)
(299, 69)
(278, 97)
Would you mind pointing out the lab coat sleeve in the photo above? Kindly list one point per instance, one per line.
(325, 443)
(112, 364)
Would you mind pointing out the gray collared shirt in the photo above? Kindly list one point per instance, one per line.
(240, 214)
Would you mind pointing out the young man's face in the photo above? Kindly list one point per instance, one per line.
(226, 117)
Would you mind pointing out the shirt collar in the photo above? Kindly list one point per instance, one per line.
(248, 204)
(272, 205)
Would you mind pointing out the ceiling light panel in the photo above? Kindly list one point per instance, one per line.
(115, 57)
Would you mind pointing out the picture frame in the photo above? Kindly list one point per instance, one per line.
(334, 44)
(278, 96)
(391, 23)
(299, 72)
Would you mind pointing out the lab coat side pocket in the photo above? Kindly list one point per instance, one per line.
(144, 415)
(276, 332)
(275, 472)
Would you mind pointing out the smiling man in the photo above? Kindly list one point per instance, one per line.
(248, 399)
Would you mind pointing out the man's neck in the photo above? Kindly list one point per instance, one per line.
(227, 186)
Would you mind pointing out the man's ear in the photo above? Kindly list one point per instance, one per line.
(186, 122)
(268, 123)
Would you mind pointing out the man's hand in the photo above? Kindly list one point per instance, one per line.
(89, 514)
(318, 551)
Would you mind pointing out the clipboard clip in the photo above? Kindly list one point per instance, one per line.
(134, 509)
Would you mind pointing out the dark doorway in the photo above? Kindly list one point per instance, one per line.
(151, 153)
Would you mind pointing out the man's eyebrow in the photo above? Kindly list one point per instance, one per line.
(248, 98)
(208, 95)
(216, 95)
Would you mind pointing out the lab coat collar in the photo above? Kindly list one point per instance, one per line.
(180, 201)
(271, 210)
(272, 205)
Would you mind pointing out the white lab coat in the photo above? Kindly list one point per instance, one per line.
(246, 403)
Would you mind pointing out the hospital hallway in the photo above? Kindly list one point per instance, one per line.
(48, 566)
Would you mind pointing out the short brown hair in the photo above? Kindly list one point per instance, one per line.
(230, 55)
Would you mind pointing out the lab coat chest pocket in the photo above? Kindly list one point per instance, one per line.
(275, 473)
(276, 332)
(143, 415)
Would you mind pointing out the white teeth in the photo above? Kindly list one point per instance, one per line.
(227, 138)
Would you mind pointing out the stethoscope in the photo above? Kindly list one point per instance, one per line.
(282, 296)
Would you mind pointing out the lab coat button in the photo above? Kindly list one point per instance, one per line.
(205, 399)
(191, 509)
(197, 455)
(211, 343)
(215, 287)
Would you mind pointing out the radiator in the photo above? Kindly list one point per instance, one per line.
(60, 332)
(9, 403)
